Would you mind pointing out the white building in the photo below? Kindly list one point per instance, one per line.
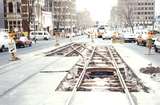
(42, 19)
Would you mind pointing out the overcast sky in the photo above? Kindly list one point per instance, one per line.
(157, 7)
(100, 9)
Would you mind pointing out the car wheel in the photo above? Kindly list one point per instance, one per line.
(2, 49)
(155, 49)
(137, 43)
(45, 38)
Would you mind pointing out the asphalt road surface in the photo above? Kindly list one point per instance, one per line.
(42, 44)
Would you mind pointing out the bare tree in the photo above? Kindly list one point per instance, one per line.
(126, 13)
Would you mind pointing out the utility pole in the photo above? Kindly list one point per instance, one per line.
(29, 18)
(52, 17)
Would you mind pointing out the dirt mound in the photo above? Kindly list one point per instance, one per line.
(150, 70)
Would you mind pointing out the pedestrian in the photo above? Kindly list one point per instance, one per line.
(35, 39)
(12, 47)
(149, 42)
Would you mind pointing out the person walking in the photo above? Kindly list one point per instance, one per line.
(12, 47)
(149, 42)
(35, 39)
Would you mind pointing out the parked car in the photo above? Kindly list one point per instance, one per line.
(129, 37)
(141, 37)
(116, 35)
(70, 35)
(157, 44)
(23, 41)
(40, 35)
(107, 35)
(3, 41)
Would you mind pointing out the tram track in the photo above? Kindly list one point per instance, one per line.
(81, 77)
(103, 71)
(14, 66)
(33, 73)
(121, 79)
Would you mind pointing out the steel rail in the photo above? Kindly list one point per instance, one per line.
(19, 63)
(68, 102)
(121, 79)
(74, 49)
(79, 52)
(59, 49)
(131, 101)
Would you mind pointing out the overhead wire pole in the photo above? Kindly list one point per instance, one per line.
(29, 18)
(52, 17)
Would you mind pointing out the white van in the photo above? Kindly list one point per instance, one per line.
(3, 41)
(40, 35)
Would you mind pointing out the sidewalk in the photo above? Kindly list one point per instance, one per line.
(15, 73)
(135, 62)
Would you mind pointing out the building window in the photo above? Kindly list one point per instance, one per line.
(19, 22)
(10, 22)
(14, 22)
(18, 7)
(10, 7)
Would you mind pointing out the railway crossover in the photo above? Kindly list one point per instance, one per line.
(102, 70)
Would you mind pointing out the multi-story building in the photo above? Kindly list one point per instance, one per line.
(140, 12)
(41, 18)
(26, 14)
(2, 14)
(113, 22)
(157, 22)
(12, 10)
(84, 19)
(64, 15)
(144, 12)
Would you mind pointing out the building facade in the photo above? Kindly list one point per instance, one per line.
(2, 15)
(140, 12)
(64, 15)
(144, 12)
(157, 23)
(13, 19)
(84, 19)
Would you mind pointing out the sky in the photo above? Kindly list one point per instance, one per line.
(157, 7)
(99, 9)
